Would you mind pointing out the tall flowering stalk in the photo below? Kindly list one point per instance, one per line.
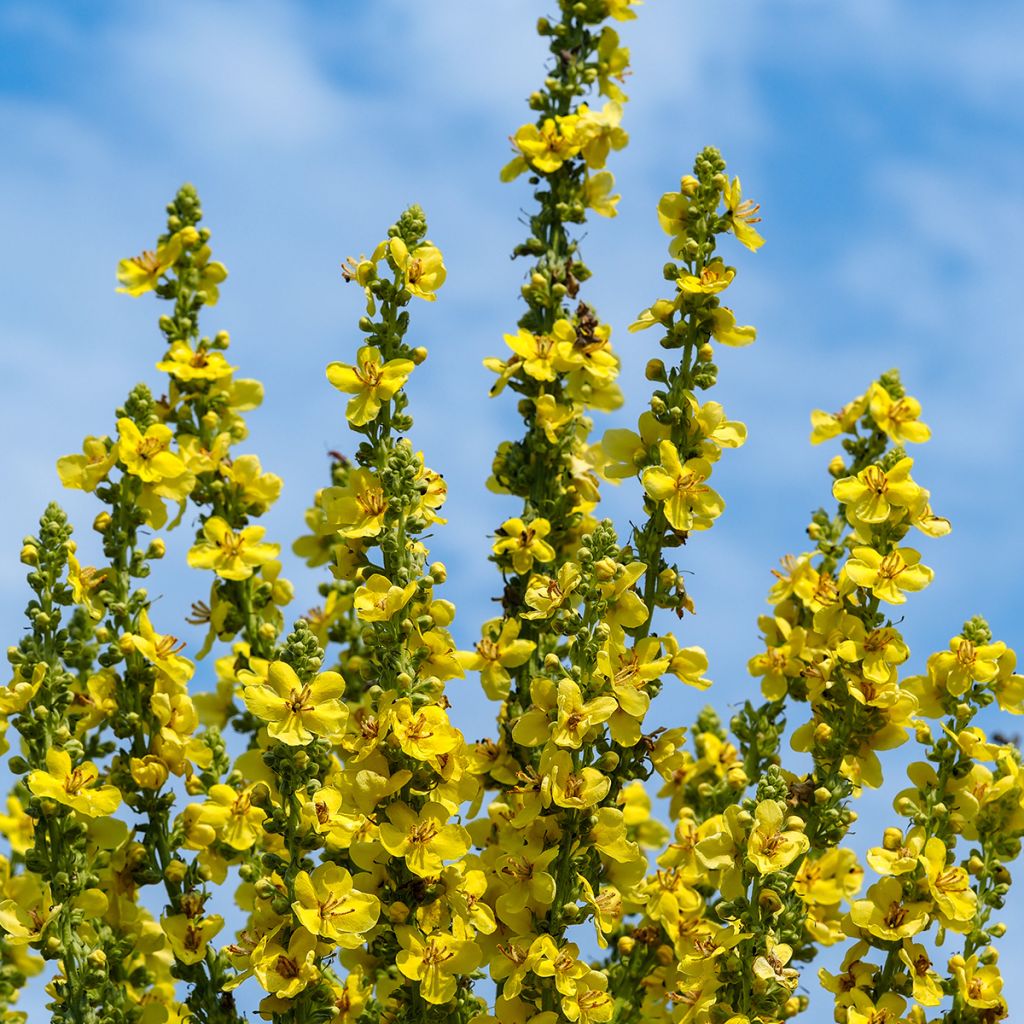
(386, 869)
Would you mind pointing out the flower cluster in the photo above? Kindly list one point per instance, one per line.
(381, 866)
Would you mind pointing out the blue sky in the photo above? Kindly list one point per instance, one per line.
(885, 145)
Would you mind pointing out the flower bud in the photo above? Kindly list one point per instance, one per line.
(30, 555)
(892, 838)
(688, 185)
(157, 549)
(419, 355)
(655, 370)
(705, 353)
(175, 871)
(101, 522)
(626, 945)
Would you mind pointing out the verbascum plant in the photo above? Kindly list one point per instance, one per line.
(578, 865)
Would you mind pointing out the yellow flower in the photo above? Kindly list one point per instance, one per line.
(543, 356)
(435, 959)
(297, 712)
(591, 1003)
(232, 556)
(285, 971)
(689, 504)
(140, 274)
(572, 787)
(326, 904)
(597, 194)
(621, 10)
(379, 599)
(189, 937)
(544, 148)
(148, 456)
(424, 733)
(256, 489)
(741, 215)
(355, 509)
(163, 652)
(562, 963)
(926, 983)
(887, 915)
(888, 576)
(888, 1009)
(545, 595)
(182, 363)
(979, 986)
(897, 417)
(494, 655)
(524, 543)
(874, 494)
(85, 583)
(73, 787)
(771, 846)
(424, 838)
(83, 472)
(830, 878)
(423, 268)
(726, 331)
(371, 381)
(950, 886)
(712, 279)
(231, 816)
(966, 663)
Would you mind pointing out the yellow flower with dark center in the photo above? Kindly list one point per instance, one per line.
(436, 959)
(887, 914)
(231, 555)
(326, 904)
(297, 712)
(888, 576)
(74, 786)
(949, 885)
(185, 364)
(425, 838)
(140, 274)
(189, 937)
(711, 280)
(83, 472)
(497, 651)
(897, 417)
(355, 509)
(875, 494)
(688, 502)
(772, 847)
(379, 599)
(741, 215)
(372, 382)
(523, 543)
(423, 268)
(148, 456)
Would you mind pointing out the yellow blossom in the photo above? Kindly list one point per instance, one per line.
(689, 504)
(423, 268)
(379, 599)
(74, 787)
(524, 543)
(231, 555)
(772, 847)
(296, 712)
(888, 576)
(435, 959)
(189, 937)
(83, 472)
(372, 382)
(897, 417)
(140, 274)
(425, 838)
(741, 215)
(326, 904)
